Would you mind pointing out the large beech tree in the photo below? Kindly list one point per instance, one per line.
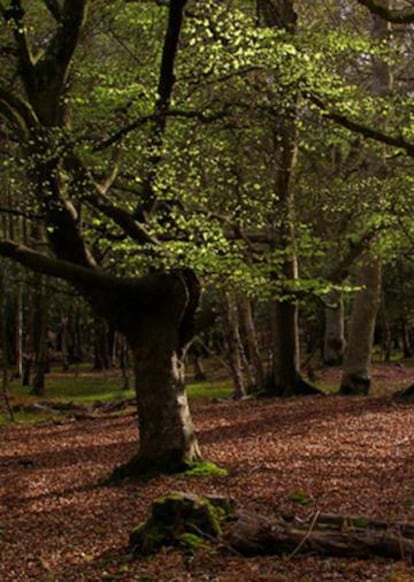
(257, 81)
(156, 311)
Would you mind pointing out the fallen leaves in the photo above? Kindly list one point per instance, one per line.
(348, 455)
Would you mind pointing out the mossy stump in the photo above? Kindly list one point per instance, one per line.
(180, 519)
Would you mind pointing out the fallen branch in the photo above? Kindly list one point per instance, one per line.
(251, 534)
(328, 535)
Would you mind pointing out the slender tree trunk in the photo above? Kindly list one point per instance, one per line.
(195, 357)
(249, 328)
(286, 379)
(356, 370)
(40, 326)
(101, 348)
(334, 338)
(5, 347)
(78, 339)
(64, 340)
(19, 330)
(235, 346)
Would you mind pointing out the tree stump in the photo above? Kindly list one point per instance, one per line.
(180, 519)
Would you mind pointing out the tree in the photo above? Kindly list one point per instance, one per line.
(156, 311)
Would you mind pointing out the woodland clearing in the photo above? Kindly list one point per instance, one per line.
(350, 456)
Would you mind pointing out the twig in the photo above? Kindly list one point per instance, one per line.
(305, 538)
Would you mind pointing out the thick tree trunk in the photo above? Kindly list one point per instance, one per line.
(158, 336)
(334, 338)
(284, 321)
(356, 370)
(167, 441)
(167, 438)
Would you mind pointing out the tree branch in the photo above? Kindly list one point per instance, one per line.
(365, 131)
(62, 46)
(22, 110)
(96, 198)
(404, 16)
(82, 277)
(180, 113)
(341, 270)
(162, 106)
(22, 213)
(15, 14)
(54, 8)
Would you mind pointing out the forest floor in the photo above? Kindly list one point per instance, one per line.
(351, 456)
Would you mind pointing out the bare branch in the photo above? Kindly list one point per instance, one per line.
(23, 113)
(179, 113)
(95, 197)
(23, 213)
(165, 87)
(15, 14)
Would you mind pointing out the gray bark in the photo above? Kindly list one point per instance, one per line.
(235, 346)
(356, 375)
(356, 370)
(334, 337)
(249, 328)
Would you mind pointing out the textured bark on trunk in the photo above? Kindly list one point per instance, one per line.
(334, 338)
(158, 333)
(356, 370)
(167, 440)
(101, 352)
(286, 379)
(64, 339)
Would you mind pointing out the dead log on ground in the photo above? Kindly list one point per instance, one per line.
(329, 535)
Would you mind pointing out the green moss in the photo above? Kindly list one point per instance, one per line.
(191, 541)
(301, 497)
(210, 390)
(360, 522)
(205, 469)
(177, 519)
